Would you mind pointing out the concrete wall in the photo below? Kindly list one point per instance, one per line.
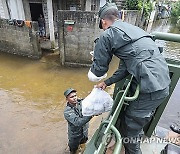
(131, 16)
(120, 4)
(27, 11)
(19, 40)
(3, 10)
(77, 40)
(16, 9)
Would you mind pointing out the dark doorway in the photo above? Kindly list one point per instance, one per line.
(36, 10)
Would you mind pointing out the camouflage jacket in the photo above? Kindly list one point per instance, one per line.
(138, 53)
(77, 123)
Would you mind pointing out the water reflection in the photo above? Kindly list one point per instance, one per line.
(41, 83)
(171, 49)
(32, 102)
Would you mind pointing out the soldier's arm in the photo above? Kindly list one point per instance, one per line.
(102, 56)
(71, 117)
(120, 73)
(106, 46)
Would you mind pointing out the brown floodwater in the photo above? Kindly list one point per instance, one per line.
(171, 49)
(41, 83)
(32, 102)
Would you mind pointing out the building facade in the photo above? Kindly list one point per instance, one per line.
(30, 10)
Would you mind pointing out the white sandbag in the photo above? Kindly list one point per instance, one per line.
(97, 102)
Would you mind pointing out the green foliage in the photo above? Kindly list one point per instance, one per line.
(138, 4)
(147, 9)
(176, 11)
(132, 4)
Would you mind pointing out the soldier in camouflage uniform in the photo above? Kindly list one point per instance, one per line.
(77, 123)
(139, 57)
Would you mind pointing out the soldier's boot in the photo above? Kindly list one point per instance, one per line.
(83, 146)
(78, 151)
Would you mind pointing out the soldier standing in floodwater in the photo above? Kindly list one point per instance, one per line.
(77, 123)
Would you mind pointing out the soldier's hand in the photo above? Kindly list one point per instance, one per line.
(101, 85)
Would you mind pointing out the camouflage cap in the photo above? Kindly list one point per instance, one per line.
(105, 8)
(68, 91)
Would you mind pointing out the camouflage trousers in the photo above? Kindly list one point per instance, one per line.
(135, 116)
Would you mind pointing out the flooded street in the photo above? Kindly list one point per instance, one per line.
(171, 49)
(32, 100)
(171, 115)
(32, 103)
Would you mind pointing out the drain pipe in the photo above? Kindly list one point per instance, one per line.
(51, 23)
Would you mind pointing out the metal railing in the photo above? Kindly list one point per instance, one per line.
(107, 129)
(166, 36)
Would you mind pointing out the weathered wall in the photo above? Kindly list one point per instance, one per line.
(121, 4)
(77, 40)
(19, 40)
(131, 16)
(16, 9)
(27, 11)
(3, 10)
